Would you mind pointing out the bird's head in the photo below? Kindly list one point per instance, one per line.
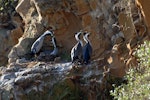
(86, 34)
(52, 33)
(48, 32)
(78, 34)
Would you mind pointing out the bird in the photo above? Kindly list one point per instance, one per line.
(76, 52)
(55, 51)
(37, 45)
(87, 48)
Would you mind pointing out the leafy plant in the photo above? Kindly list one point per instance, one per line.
(138, 86)
(7, 6)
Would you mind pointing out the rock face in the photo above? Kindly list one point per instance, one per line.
(110, 25)
(116, 29)
(143, 5)
(11, 29)
(14, 83)
(45, 81)
(9, 38)
(66, 18)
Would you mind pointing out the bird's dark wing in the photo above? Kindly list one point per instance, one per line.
(86, 54)
(90, 49)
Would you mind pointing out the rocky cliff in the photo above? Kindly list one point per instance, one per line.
(116, 27)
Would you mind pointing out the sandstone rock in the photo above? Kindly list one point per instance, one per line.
(64, 23)
(116, 65)
(22, 60)
(30, 80)
(143, 5)
(9, 38)
(16, 34)
(8, 76)
(115, 38)
(17, 20)
(23, 81)
(128, 28)
(12, 56)
(21, 8)
(82, 7)
(67, 18)
(5, 46)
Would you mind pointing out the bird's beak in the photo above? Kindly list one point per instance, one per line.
(88, 33)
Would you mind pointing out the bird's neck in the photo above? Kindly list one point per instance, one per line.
(48, 33)
(54, 42)
(81, 42)
(86, 39)
(77, 38)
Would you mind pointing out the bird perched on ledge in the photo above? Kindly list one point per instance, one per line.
(37, 45)
(76, 52)
(87, 49)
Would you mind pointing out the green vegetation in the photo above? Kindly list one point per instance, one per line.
(7, 6)
(138, 78)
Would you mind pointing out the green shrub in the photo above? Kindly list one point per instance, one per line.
(7, 6)
(138, 85)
